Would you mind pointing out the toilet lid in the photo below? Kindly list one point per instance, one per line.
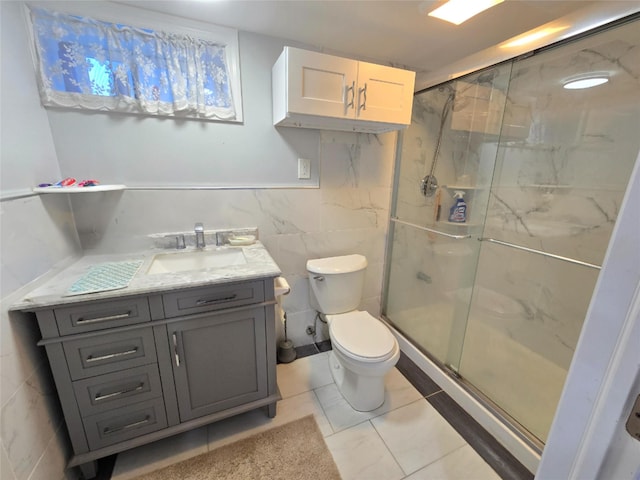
(359, 335)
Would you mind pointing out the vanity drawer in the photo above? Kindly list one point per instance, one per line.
(102, 315)
(115, 390)
(88, 357)
(198, 300)
(124, 423)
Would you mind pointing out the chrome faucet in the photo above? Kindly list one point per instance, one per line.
(199, 229)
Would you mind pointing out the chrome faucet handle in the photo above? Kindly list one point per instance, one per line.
(199, 231)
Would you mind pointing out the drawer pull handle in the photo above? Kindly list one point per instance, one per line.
(91, 358)
(119, 316)
(210, 301)
(99, 396)
(175, 349)
(108, 430)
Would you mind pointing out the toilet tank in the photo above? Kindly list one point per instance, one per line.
(336, 283)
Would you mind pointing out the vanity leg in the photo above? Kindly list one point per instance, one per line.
(89, 469)
(271, 409)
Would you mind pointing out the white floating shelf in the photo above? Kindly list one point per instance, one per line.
(96, 188)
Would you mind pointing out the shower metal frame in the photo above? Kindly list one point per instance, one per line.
(507, 421)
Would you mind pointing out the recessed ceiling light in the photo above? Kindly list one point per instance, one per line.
(458, 11)
(585, 81)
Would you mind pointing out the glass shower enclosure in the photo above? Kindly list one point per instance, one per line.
(499, 299)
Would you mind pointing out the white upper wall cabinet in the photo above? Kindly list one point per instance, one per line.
(315, 90)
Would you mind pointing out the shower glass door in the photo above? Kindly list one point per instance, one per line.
(433, 260)
(557, 192)
(501, 297)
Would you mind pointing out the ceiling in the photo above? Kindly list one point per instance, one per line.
(395, 32)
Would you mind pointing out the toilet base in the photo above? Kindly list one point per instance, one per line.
(363, 392)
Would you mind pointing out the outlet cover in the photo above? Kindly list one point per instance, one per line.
(304, 168)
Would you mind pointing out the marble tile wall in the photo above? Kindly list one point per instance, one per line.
(562, 164)
(347, 214)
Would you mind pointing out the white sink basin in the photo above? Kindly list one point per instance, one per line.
(196, 260)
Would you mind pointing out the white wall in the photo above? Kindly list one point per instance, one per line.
(36, 234)
(153, 151)
(348, 213)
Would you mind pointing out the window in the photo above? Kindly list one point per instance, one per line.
(96, 65)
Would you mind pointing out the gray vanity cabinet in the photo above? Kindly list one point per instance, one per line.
(218, 361)
(136, 369)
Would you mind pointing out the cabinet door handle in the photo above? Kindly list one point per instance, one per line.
(352, 88)
(91, 358)
(211, 301)
(363, 91)
(108, 430)
(99, 396)
(175, 349)
(119, 316)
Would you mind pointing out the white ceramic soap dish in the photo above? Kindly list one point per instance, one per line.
(242, 240)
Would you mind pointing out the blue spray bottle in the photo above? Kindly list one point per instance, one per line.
(458, 212)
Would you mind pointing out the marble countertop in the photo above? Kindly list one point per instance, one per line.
(55, 290)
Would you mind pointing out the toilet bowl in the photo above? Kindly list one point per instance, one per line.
(364, 349)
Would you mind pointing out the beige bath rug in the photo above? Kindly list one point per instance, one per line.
(294, 451)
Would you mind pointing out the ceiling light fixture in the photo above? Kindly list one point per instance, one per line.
(587, 80)
(458, 11)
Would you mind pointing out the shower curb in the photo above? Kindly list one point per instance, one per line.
(491, 451)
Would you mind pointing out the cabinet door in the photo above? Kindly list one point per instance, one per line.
(384, 94)
(219, 361)
(320, 84)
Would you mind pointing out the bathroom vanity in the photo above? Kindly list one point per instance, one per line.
(169, 353)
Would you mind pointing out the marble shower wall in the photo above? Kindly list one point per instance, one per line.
(560, 190)
(548, 173)
(347, 214)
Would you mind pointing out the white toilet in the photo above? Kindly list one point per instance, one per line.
(364, 349)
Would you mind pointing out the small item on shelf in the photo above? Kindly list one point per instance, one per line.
(88, 183)
(42, 185)
(242, 240)
(458, 212)
(67, 182)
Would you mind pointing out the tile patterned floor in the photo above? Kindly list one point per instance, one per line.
(406, 438)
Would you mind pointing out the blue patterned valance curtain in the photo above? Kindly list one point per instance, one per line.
(94, 65)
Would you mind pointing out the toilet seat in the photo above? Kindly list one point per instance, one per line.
(361, 337)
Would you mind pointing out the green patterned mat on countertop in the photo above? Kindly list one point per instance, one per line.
(104, 277)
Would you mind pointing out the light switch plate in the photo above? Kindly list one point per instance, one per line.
(304, 168)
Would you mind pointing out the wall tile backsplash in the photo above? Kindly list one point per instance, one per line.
(347, 214)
